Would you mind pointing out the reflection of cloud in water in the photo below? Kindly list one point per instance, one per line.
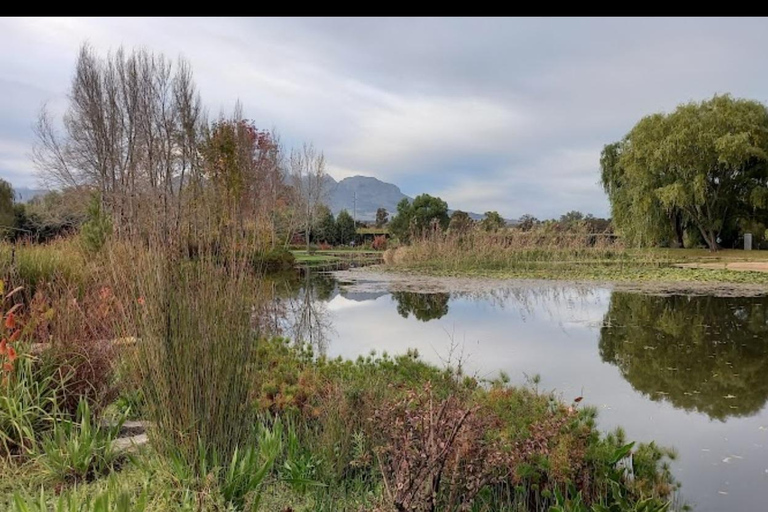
(341, 303)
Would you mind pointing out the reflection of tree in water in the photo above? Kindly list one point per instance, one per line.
(298, 308)
(423, 306)
(708, 354)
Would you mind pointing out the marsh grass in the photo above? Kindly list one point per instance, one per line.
(547, 254)
(197, 328)
(61, 261)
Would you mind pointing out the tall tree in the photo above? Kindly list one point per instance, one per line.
(345, 227)
(382, 216)
(308, 177)
(418, 217)
(704, 166)
(7, 212)
(130, 135)
(326, 226)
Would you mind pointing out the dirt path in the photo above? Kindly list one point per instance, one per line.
(377, 279)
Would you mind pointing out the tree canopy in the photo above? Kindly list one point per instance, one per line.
(493, 221)
(460, 222)
(702, 167)
(415, 218)
(382, 216)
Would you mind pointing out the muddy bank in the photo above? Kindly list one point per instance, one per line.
(378, 279)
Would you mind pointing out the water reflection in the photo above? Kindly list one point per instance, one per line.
(423, 306)
(708, 354)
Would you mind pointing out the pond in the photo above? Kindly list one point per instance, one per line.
(689, 372)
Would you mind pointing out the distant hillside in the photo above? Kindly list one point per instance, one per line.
(24, 194)
(365, 195)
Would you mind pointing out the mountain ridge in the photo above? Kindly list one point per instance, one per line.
(361, 196)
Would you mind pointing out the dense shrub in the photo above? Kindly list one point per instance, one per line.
(274, 260)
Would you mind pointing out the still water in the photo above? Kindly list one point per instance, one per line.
(686, 372)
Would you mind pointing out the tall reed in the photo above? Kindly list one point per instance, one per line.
(514, 249)
(196, 326)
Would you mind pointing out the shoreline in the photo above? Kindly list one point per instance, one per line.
(379, 278)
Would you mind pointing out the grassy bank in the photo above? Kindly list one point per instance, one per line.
(241, 419)
(567, 257)
(345, 435)
(331, 257)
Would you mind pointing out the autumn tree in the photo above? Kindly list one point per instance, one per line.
(382, 216)
(244, 177)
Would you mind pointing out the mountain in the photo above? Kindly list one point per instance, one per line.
(364, 195)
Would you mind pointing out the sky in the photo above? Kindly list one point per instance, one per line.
(487, 113)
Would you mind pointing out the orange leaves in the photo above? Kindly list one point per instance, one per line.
(3, 347)
(10, 320)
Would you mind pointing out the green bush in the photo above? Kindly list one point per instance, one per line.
(274, 260)
(97, 229)
(110, 500)
(82, 449)
(28, 403)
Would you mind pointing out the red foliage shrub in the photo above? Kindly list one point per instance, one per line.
(77, 334)
(379, 243)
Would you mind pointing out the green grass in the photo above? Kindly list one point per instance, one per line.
(577, 271)
(334, 256)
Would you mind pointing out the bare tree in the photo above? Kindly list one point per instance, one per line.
(130, 134)
(307, 168)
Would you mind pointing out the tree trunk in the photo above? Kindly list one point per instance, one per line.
(711, 238)
(677, 230)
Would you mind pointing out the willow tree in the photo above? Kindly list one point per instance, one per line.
(701, 166)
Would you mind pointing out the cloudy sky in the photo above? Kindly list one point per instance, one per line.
(504, 114)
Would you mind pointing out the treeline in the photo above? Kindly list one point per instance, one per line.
(697, 175)
(427, 214)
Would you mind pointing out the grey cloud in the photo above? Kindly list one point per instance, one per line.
(506, 114)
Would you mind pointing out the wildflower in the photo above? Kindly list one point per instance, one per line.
(11, 354)
(10, 320)
(8, 367)
(14, 336)
(3, 347)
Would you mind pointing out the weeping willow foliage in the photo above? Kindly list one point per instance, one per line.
(702, 168)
